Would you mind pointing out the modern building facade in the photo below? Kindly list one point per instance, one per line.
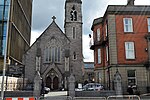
(121, 42)
(55, 54)
(15, 18)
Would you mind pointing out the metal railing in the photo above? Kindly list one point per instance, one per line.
(117, 97)
(17, 87)
(124, 97)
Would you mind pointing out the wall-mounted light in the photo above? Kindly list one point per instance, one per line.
(146, 49)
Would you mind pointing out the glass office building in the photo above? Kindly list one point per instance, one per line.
(15, 18)
(4, 7)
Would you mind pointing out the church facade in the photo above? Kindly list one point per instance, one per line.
(55, 55)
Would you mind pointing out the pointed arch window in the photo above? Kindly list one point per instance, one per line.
(52, 55)
(74, 56)
(73, 14)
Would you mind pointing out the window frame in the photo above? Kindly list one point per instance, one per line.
(98, 34)
(99, 60)
(128, 27)
(106, 29)
(129, 51)
(148, 23)
(4, 30)
(74, 32)
(107, 53)
(50, 54)
(131, 78)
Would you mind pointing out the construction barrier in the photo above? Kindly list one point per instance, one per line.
(20, 98)
(124, 97)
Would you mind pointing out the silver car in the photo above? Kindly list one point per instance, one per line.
(93, 87)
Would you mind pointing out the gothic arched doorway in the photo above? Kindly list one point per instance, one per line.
(53, 79)
(55, 83)
(48, 82)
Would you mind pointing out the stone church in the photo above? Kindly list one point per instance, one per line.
(55, 55)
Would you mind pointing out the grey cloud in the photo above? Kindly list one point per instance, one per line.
(43, 10)
(90, 8)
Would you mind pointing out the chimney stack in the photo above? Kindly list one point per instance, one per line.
(130, 2)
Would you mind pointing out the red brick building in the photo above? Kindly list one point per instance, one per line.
(121, 42)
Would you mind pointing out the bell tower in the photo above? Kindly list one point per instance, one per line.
(73, 30)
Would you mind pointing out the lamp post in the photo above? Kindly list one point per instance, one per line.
(5, 51)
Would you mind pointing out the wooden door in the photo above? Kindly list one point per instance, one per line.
(55, 83)
(48, 82)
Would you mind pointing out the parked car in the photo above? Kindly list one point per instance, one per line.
(46, 90)
(93, 87)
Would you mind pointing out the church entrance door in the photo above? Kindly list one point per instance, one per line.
(48, 82)
(55, 83)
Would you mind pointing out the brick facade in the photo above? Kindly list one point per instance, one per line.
(114, 37)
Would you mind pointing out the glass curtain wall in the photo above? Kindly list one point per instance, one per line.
(4, 7)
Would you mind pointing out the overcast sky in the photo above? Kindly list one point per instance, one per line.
(43, 10)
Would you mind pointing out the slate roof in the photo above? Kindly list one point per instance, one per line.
(53, 23)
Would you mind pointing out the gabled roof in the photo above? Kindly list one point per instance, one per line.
(54, 25)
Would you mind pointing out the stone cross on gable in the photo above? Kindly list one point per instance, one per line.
(54, 18)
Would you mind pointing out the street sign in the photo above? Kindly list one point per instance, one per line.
(16, 70)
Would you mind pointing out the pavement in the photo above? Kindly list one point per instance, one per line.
(62, 95)
(56, 93)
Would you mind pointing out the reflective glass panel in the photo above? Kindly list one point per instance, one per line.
(4, 38)
(6, 12)
(1, 12)
(1, 2)
(7, 2)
